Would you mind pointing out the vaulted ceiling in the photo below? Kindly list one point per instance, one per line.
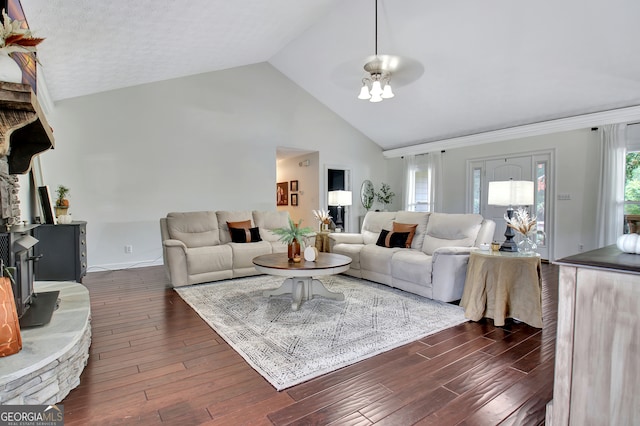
(467, 66)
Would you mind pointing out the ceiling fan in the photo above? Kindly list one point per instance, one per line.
(376, 86)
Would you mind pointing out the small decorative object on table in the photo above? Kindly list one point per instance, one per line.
(629, 243)
(65, 219)
(62, 204)
(323, 217)
(525, 225)
(310, 254)
(495, 246)
(293, 236)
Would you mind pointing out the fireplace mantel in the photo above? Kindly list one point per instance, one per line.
(24, 131)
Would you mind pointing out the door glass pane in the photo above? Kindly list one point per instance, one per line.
(540, 198)
(476, 190)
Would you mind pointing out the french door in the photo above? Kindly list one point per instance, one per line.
(534, 167)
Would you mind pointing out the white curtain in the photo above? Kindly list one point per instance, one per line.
(432, 164)
(610, 213)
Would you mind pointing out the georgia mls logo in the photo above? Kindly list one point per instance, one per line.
(31, 415)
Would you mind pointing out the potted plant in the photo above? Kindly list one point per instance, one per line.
(62, 203)
(293, 236)
(385, 195)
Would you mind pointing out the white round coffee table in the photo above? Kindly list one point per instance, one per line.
(300, 282)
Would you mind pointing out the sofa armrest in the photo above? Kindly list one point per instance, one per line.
(344, 238)
(449, 272)
(452, 251)
(174, 253)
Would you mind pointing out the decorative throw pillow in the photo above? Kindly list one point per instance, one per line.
(245, 235)
(406, 227)
(392, 239)
(245, 224)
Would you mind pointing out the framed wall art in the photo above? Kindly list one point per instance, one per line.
(282, 194)
(294, 199)
(294, 186)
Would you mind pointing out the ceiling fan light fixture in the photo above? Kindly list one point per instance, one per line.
(364, 91)
(376, 98)
(379, 73)
(387, 93)
(376, 88)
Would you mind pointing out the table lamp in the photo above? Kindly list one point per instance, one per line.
(339, 199)
(510, 193)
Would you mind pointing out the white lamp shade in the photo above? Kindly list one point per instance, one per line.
(376, 88)
(510, 193)
(339, 198)
(364, 93)
(387, 93)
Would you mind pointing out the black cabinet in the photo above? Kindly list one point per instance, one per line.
(64, 252)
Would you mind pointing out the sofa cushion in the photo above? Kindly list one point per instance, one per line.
(448, 229)
(419, 218)
(269, 220)
(412, 266)
(377, 259)
(392, 239)
(405, 227)
(225, 217)
(243, 224)
(201, 260)
(194, 229)
(245, 235)
(244, 253)
(373, 223)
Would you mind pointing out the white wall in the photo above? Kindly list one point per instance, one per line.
(206, 142)
(577, 162)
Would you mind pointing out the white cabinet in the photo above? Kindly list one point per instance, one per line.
(597, 371)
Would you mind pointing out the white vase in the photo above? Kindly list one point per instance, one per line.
(9, 69)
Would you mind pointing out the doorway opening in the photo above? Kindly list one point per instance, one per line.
(339, 179)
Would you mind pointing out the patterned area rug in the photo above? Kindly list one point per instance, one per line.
(288, 347)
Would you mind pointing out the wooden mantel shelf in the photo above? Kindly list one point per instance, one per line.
(24, 131)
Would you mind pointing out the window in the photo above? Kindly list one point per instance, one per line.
(632, 192)
(419, 196)
(421, 172)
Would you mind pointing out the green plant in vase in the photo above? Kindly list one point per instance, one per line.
(385, 195)
(62, 203)
(293, 236)
(367, 197)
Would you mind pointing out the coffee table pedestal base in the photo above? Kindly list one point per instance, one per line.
(301, 289)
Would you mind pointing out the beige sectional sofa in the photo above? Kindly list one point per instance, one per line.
(197, 246)
(434, 266)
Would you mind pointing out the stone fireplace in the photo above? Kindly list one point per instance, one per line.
(24, 133)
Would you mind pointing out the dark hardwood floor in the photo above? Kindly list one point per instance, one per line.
(154, 361)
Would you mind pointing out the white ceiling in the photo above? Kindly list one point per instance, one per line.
(470, 66)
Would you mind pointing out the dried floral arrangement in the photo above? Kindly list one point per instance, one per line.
(14, 38)
(322, 216)
(521, 221)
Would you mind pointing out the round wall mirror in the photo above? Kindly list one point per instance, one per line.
(366, 194)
